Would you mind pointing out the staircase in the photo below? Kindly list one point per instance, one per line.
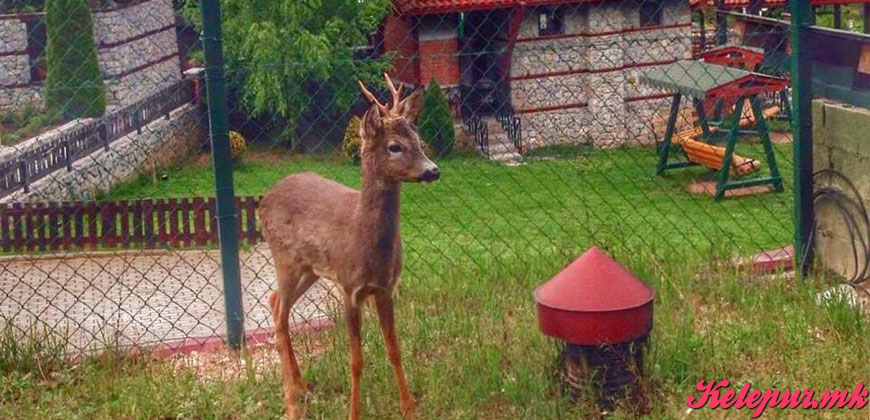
(501, 146)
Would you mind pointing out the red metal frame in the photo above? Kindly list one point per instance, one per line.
(734, 56)
(749, 85)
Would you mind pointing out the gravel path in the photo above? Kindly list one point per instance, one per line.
(140, 298)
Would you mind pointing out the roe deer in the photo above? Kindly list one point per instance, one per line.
(316, 228)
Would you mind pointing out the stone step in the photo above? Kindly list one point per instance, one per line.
(501, 148)
(506, 157)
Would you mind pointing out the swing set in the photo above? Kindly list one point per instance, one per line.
(705, 84)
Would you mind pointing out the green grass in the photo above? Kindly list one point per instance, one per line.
(477, 244)
(25, 123)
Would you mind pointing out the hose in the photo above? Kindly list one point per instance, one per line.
(840, 192)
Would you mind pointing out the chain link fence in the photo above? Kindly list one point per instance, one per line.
(658, 130)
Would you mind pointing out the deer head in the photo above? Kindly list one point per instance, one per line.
(391, 147)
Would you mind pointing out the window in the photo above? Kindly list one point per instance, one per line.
(549, 22)
(36, 40)
(651, 13)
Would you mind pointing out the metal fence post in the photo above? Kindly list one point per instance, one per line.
(802, 125)
(223, 171)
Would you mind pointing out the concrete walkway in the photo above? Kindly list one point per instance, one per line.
(140, 298)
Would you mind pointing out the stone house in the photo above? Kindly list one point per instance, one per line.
(137, 50)
(568, 69)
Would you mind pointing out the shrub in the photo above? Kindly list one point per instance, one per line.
(73, 84)
(435, 122)
(238, 145)
(352, 142)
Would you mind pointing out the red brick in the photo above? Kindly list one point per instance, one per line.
(439, 60)
(399, 39)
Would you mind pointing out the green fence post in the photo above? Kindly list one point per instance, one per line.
(802, 126)
(223, 171)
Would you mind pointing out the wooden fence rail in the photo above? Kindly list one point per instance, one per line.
(147, 223)
(90, 136)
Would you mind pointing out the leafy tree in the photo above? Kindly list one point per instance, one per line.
(435, 121)
(73, 85)
(292, 57)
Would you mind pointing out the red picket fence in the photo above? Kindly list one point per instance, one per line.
(146, 223)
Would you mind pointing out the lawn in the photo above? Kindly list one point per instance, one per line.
(477, 244)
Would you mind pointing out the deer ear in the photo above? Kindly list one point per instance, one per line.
(410, 107)
(371, 124)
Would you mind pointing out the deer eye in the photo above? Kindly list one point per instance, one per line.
(395, 148)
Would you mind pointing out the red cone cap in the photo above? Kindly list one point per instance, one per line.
(595, 301)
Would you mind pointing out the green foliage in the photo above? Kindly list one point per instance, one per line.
(289, 58)
(30, 351)
(238, 145)
(24, 123)
(73, 85)
(435, 122)
(352, 142)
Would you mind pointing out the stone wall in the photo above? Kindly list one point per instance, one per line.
(588, 73)
(138, 51)
(840, 143)
(136, 46)
(161, 143)
(15, 67)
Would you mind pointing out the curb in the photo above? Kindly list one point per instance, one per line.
(218, 341)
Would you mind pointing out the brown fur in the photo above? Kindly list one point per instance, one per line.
(316, 228)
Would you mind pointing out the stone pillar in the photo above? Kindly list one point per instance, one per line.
(197, 76)
(606, 79)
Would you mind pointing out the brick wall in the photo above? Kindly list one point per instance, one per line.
(439, 60)
(399, 38)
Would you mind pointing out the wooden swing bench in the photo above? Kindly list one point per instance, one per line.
(712, 83)
(712, 156)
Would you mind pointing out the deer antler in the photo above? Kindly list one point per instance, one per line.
(395, 93)
(382, 109)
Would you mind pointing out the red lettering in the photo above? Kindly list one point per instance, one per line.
(752, 399)
(727, 399)
(859, 397)
(741, 397)
(706, 389)
(809, 402)
(831, 398)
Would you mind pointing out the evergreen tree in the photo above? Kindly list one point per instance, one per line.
(73, 84)
(435, 121)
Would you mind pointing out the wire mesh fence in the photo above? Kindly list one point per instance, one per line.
(658, 130)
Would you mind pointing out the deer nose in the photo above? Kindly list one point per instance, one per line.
(430, 175)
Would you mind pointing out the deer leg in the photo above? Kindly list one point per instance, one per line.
(384, 302)
(281, 301)
(356, 359)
